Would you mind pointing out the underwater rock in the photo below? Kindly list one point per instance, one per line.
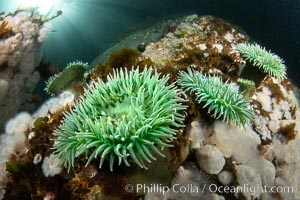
(210, 159)
(264, 154)
(102, 186)
(20, 49)
(196, 46)
(15, 142)
(278, 109)
(146, 35)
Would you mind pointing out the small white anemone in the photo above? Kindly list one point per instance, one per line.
(51, 165)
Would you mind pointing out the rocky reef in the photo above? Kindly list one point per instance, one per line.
(220, 132)
(22, 35)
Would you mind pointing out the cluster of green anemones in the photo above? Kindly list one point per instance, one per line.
(222, 99)
(129, 118)
(267, 61)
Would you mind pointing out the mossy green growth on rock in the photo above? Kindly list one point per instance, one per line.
(247, 87)
(75, 72)
(222, 99)
(15, 168)
(124, 57)
(129, 118)
(180, 35)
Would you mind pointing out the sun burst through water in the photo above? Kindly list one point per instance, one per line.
(43, 6)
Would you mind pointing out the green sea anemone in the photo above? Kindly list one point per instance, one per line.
(267, 61)
(246, 86)
(222, 99)
(246, 82)
(74, 72)
(132, 116)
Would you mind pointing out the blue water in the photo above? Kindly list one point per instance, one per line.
(88, 27)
